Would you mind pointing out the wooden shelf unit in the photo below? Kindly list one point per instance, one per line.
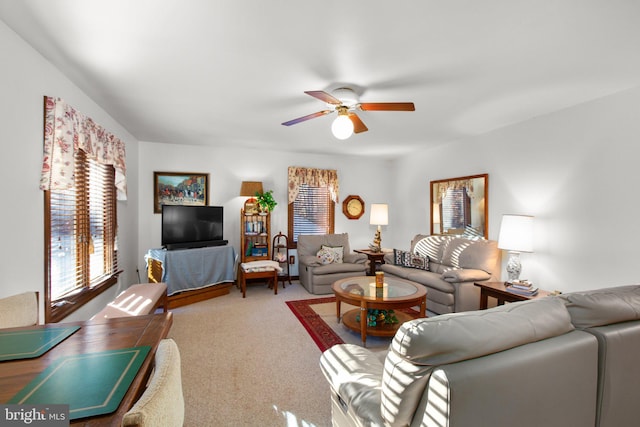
(255, 237)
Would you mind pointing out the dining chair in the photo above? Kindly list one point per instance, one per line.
(162, 403)
(19, 310)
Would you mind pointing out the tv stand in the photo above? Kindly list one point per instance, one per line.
(195, 245)
(188, 270)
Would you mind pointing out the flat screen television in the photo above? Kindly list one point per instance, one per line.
(192, 226)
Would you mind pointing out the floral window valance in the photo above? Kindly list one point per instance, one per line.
(66, 131)
(314, 178)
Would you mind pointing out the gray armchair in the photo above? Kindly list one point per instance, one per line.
(316, 276)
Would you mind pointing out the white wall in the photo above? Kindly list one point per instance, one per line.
(26, 77)
(576, 171)
(228, 167)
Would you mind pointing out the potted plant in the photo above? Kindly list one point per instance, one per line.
(266, 201)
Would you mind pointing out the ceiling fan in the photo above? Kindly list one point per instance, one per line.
(345, 102)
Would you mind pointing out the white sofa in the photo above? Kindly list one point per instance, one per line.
(455, 264)
(560, 361)
(612, 315)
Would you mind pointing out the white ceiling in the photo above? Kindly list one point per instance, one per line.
(229, 72)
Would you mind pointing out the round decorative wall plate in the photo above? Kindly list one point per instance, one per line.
(353, 207)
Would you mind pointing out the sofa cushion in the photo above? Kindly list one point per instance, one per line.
(326, 256)
(465, 275)
(459, 336)
(337, 251)
(399, 256)
(311, 244)
(421, 345)
(430, 280)
(446, 252)
(354, 373)
(475, 254)
(407, 259)
(430, 246)
(603, 306)
(337, 268)
(472, 233)
(397, 270)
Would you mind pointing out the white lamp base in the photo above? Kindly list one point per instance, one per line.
(513, 266)
(377, 240)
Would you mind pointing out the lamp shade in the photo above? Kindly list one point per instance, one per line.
(379, 214)
(250, 188)
(516, 233)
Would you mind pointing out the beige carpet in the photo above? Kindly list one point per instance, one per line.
(249, 362)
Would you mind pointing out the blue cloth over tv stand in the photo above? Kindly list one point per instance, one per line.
(196, 268)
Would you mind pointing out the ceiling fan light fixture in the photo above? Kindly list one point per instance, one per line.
(342, 127)
(346, 96)
(345, 102)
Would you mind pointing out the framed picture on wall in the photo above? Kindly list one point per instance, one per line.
(460, 205)
(180, 188)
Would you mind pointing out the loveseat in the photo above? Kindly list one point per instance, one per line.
(448, 266)
(318, 270)
(567, 360)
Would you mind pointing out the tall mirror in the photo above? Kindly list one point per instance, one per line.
(460, 206)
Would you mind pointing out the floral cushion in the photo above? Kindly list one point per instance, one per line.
(338, 253)
(326, 256)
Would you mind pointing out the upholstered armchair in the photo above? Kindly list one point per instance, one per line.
(323, 259)
(19, 310)
(162, 403)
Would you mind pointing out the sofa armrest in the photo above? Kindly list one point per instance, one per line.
(310, 260)
(465, 275)
(389, 258)
(355, 258)
(355, 375)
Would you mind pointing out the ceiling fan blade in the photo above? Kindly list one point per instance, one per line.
(324, 96)
(387, 106)
(358, 125)
(307, 117)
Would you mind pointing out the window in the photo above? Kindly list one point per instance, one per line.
(312, 196)
(80, 238)
(312, 212)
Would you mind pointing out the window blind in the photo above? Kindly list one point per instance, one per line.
(82, 230)
(312, 212)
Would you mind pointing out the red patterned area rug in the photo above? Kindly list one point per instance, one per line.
(320, 332)
(318, 316)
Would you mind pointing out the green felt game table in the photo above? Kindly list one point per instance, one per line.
(26, 344)
(102, 354)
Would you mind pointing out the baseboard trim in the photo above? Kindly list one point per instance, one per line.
(197, 295)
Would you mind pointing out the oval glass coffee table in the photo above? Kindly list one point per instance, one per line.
(362, 292)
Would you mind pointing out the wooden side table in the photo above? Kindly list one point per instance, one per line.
(499, 291)
(375, 258)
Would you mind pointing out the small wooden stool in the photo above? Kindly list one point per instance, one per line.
(270, 275)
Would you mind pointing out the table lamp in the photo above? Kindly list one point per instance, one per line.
(379, 216)
(250, 188)
(516, 235)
